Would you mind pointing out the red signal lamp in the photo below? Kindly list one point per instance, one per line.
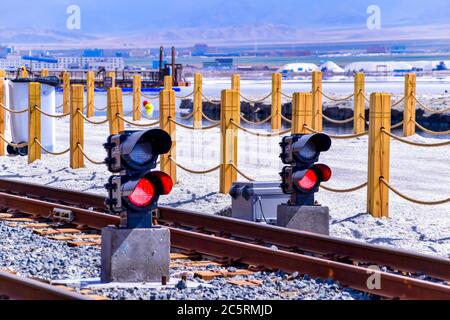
(309, 180)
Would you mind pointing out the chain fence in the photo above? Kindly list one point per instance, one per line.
(417, 144)
(342, 137)
(194, 171)
(410, 199)
(258, 134)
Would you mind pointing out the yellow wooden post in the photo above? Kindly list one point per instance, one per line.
(44, 73)
(112, 74)
(228, 139)
(198, 100)
(2, 74)
(137, 86)
(276, 102)
(167, 112)
(34, 122)
(236, 85)
(409, 113)
(359, 119)
(379, 149)
(76, 126)
(168, 83)
(115, 109)
(66, 92)
(90, 94)
(302, 112)
(317, 100)
(2, 118)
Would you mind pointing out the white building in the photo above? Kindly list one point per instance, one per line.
(299, 67)
(13, 62)
(381, 66)
(91, 63)
(330, 66)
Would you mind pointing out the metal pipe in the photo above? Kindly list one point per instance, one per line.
(173, 67)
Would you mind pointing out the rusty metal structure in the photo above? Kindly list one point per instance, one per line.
(124, 78)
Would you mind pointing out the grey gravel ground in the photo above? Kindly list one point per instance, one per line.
(35, 256)
(275, 287)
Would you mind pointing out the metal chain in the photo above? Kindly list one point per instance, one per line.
(427, 203)
(186, 96)
(345, 190)
(145, 117)
(268, 135)
(92, 121)
(257, 122)
(210, 100)
(187, 117)
(430, 131)
(89, 159)
(241, 173)
(192, 127)
(350, 136)
(137, 124)
(50, 152)
(285, 95)
(255, 101)
(417, 144)
(14, 145)
(365, 98)
(398, 102)
(337, 121)
(335, 99)
(149, 97)
(432, 111)
(57, 116)
(210, 127)
(286, 119)
(101, 109)
(194, 171)
(397, 125)
(13, 111)
(209, 119)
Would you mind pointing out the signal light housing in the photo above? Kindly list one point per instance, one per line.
(302, 177)
(136, 150)
(134, 194)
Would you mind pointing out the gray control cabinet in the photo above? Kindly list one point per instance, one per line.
(248, 198)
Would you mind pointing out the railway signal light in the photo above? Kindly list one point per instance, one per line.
(134, 193)
(302, 177)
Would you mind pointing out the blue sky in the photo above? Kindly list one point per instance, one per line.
(114, 17)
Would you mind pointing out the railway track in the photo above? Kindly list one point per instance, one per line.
(235, 241)
(15, 287)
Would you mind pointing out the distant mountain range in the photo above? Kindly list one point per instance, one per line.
(251, 34)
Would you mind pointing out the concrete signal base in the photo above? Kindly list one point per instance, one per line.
(305, 218)
(135, 255)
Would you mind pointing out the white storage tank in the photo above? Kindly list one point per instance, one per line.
(7, 94)
(19, 101)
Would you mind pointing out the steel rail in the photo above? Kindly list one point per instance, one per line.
(311, 242)
(393, 286)
(337, 248)
(21, 288)
(46, 209)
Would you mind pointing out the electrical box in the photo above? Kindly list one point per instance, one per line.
(257, 201)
